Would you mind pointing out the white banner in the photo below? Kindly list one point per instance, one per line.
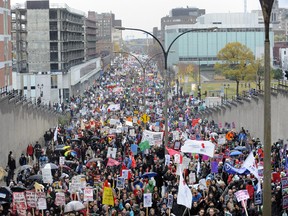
(154, 138)
(198, 147)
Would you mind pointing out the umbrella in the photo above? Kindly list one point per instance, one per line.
(5, 194)
(235, 153)
(149, 175)
(94, 160)
(240, 148)
(19, 188)
(75, 140)
(95, 138)
(70, 152)
(64, 175)
(35, 178)
(50, 166)
(213, 134)
(59, 147)
(73, 206)
(66, 167)
(24, 167)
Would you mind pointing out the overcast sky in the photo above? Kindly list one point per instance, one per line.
(146, 14)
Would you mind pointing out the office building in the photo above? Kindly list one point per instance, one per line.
(5, 47)
(201, 47)
(179, 16)
(54, 50)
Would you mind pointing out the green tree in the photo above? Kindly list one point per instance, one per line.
(236, 62)
(277, 74)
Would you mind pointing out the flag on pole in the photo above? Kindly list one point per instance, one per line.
(55, 133)
(184, 196)
(251, 165)
(112, 162)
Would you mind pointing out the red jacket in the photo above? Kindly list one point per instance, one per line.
(30, 150)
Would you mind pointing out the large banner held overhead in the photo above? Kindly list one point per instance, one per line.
(154, 138)
(198, 147)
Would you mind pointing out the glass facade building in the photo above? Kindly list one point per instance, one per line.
(202, 45)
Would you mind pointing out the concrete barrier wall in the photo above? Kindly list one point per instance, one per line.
(20, 125)
(249, 113)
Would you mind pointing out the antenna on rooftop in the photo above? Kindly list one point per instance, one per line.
(245, 6)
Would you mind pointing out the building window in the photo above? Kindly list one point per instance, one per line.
(54, 82)
(5, 24)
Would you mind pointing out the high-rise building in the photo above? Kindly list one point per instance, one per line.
(105, 35)
(54, 50)
(55, 41)
(90, 36)
(179, 16)
(5, 47)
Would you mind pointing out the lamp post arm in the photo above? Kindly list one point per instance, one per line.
(146, 32)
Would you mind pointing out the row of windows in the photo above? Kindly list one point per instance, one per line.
(227, 30)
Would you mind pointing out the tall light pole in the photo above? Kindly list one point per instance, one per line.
(266, 6)
(165, 53)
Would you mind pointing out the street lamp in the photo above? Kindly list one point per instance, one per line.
(266, 6)
(165, 53)
(226, 87)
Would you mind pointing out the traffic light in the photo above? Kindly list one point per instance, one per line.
(286, 74)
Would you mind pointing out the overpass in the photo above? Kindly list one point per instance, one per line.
(248, 112)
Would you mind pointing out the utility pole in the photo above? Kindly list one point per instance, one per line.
(266, 6)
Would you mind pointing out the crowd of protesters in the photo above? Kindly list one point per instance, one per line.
(86, 141)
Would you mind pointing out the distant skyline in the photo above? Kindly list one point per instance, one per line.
(147, 14)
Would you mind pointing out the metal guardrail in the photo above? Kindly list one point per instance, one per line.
(17, 99)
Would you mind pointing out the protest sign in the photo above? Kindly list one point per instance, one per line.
(176, 135)
(214, 167)
(111, 152)
(125, 174)
(129, 123)
(120, 182)
(60, 199)
(170, 201)
(242, 195)
(61, 161)
(47, 175)
(132, 132)
(185, 162)
(177, 158)
(284, 182)
(108, 198)
(154, 138)
(221, 139)
(88, 194)
(167, 159)
(147, 200)
(19, 201)
(258, 198)
(41, 200)
(192, 178)
(31, 199)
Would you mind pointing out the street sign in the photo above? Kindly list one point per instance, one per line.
(145, 118)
